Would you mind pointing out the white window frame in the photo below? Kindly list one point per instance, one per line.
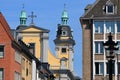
(17, 76)
(109, 28)
(2, 75)
(119, 48)
(100, 73)
(99, 47)
(98, 31)
(18, 57)
(3, 51)
(107, 12)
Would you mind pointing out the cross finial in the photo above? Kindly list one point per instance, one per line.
(23, 6)
(64, 6)
(32, 16)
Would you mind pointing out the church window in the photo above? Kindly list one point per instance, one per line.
(99, 68)
(32, 45)
(63, 50)
(1, 51)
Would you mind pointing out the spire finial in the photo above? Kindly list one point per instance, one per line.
(64, 17)
(23, 6)
(32, 16)
(64, 6)
(23, 17)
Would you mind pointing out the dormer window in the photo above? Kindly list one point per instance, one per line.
(109, 7)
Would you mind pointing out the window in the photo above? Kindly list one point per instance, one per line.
(109, 26)
(99, 68)
(23, 63)
(27, 65)
(32, 45)
(63, 50)
(1, 51)
(109, 9)
(30, 68)
(17, 76)
(18, 57)
(99, 48)
(118, 67)
(113, 68)
(1, 74)
(26, 71)
(118, 26)
(99, 26)
(119, 47)
(63, 64)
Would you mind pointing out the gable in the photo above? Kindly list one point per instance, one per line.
(97, 9)
(4, 28)
(32, 29)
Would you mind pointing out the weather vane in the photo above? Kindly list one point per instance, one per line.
(32, 16)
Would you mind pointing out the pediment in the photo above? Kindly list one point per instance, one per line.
(31, 29)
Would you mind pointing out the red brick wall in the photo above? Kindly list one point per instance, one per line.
(8, 62)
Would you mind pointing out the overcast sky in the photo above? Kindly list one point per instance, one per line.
(48, 14)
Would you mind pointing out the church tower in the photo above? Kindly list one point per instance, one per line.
(23, 19)
(64, 43)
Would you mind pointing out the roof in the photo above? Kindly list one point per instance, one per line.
(31, 26)
(69, 41)
(5, 26)
(68, 72)
(96, 10)
(64, 28)
(25, 48)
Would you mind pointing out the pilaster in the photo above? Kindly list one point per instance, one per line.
(70, 51)
(34, 70)
(44, 44)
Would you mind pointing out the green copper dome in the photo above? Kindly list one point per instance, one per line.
(64, 18)
(64, 14)
(23, 18)
(23, 14)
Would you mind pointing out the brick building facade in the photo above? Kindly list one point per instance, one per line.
(10, 69)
